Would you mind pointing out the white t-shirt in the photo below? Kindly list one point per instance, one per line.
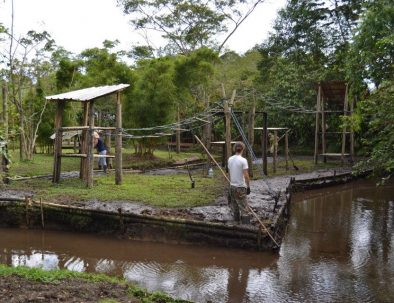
(236, 166)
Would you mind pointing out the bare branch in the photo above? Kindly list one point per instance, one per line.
(239, 23)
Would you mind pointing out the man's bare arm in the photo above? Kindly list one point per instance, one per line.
(246, 176)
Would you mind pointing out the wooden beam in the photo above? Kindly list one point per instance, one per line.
(5, 110)
(264, 140)
(83, 172)
(178, 132)
(75, 155)
(57, 162)
(287, 149)
(317, 124)
(352, 132)
(90, 148)
(345, 109)
(323, 128)
(107, 142)
(118, 141)
(251, 119)
(275, 154)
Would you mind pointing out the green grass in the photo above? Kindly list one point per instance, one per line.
(53, 276)
(42, 164)
(40, 275)
(303, 165)
(163, 191)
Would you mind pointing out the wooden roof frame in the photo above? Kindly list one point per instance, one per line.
(87, 96)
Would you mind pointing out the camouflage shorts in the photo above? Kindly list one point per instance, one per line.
(238, 204)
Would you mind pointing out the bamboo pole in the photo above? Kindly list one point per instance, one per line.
(228, 181)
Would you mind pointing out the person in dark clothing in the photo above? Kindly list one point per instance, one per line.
(102, 150)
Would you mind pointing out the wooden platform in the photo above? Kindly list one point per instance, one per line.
(334, 155)
(85, 155)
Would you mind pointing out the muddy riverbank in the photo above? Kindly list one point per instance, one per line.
(211, 224)
(338, 248)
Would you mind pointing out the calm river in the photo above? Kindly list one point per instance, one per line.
(339, 247)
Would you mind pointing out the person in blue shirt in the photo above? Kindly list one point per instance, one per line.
(102, 150)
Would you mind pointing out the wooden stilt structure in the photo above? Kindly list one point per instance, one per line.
(264, 143)
(86, 152)
(333, 98)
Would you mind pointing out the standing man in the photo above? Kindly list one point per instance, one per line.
(102, 150)
(239, 184)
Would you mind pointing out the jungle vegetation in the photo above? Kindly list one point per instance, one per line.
(311, 41)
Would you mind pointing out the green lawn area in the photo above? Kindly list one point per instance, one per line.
(156, 190)
(61, 276)
(42, 164)
(163, 191)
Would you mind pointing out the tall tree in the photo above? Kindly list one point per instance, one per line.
(189, 25)
(152, 100)
(373, 62)
(373, 48)
(27, 62)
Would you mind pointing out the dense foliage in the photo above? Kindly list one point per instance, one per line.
(311, 41)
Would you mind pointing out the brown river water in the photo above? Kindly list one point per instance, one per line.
(339, 247)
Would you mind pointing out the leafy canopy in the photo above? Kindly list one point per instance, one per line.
(189, 25)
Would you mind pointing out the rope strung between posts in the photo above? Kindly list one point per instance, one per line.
(254, 158)
(228, 181)
(206, 114)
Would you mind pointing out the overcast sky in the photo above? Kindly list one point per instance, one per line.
(80, 24)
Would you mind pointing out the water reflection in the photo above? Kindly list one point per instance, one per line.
(339, 247)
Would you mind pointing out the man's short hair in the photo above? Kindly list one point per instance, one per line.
(239, 147)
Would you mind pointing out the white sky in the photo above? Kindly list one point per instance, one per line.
(80, 24)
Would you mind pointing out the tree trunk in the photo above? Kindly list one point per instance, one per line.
(5, 111)
(178, 133)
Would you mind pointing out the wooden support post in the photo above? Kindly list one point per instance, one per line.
(345, 113)
(108, 145)
(207, 128)
(83, 173)
(27, 202)
(42, 215)
(227, 139)
(317, 124)
(251, 118)
(323, 128)
(90, 147)
(178, 132)
(352, 132)
(264, 141)
(287, 149)
(275, 155)
(118, 141)
(58, 142)
(5, 111)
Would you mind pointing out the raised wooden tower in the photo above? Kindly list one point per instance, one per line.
(87, 97)
(333, 99)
